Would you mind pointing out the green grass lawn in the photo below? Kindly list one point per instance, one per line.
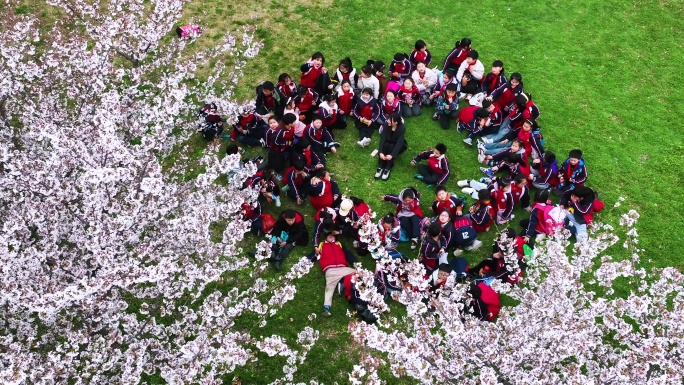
(605, 75)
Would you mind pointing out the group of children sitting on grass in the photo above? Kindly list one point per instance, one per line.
(296, 123)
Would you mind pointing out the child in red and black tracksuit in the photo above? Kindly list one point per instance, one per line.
(482, 214)
(278, 140)
(436, 172)
(495, 78)
(328, 110)
(433, 249)
(286, 86)
(410, 98)
(366, 111)
(389, 105)
(457, 55)
(302, 151)
(521, 192)
(572, 173)
(345, 100)
(504, 96)
(446, 108)
(544, 172)
(297, 181)
(324, 192)
(580, 204)
(445, 201)
(525, 109)
(319, 137)
(267, 185)
(252, 213)
(408, 212)
(495, 266)
(400, 68)
(501, 192)
(248, 129)
(420, 53)
(474, 120)
(314, 76)
(288, 232)
(306, 101)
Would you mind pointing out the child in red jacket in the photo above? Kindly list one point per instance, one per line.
(408, 212)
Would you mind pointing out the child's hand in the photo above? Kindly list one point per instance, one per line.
(395, 74)
(489, 98)
(299, 201)
(530, 177)
(448, 107)
(324, 70)
(495, 169)
(504, 141)
(342, 112)
(413, 163)
(330, 87)
(382, 156)
(459, 212)
(489, 157)
(536, 161)
(388, 157)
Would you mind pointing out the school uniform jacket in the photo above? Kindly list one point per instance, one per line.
(322, 193)
(297, 183)
(352, 76)
(332, 256)
(583, 211)
(505, 95)
(403, 209)
(345, 101)
(431, 77)
(451, 204)
(367, 110)
(491, 82)
(310, 75)
(455, 58)
(521, 195)
(476, 70)
(430, 250)
(390, 238)
(297, 234)
(409, 94)
(518, 117)
(403, 67)
(388, 109)
(577, 172)
(504, 204)
(328, 113)
(306, 102)
(416, 56)
(438, 164)
(483, 216)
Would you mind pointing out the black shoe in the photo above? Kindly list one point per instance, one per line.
(378, 173)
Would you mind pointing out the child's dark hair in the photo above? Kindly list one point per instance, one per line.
(441, 147)
(302, 144)
(408, 193)
(518, 142)
(318, 55)
(541, 196)
(463, 43)
(289, 118)
(179, 32)
(481, 113)
(346, 63)
(378, 65)
(367, 90)
(549, 157)
(513, 157)
(452, 87)
(289, 214)
(316, 117)
(356, 201)
(497, 63)
(516, 76)
(302, 90)
(273, 117)
(320, 173)
(391, 92)
(531, 122)
(389, 218)
(448, 73)
(367, 70)
(283, 77)
(400, 56)
(440, 188)
(345, 81)
(519, 178)
(473, 55)
(232, 149)
(420, 44)
(434, 230)
(329, 98)
(395, 117)
(585, 194)
(504, 182)
(521, 101)
(268, 85)
(266, 174)
(445, 267)
(484, 195)
(298, 165)
(576, 153)
(486, 103)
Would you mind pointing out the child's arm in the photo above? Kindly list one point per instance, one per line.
(580, 176)
(305, 67)
(532, 226)
(392, 199)
(423, 155)
(376, 113)
(461, 70)
(428, 58)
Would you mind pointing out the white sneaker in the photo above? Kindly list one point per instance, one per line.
(366, 141)
(277, 201)
(461, 96)
(480, 157)
(360, 142)
(468, 190)
(512, 216)
(414, 243)
(463, 183)
(458, 252)
(487, 140)
(476, 245)
(468, 141)
(539, 237)
(378, 172)
(481, 145)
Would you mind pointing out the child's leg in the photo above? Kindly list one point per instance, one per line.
(406, 110)
(496, 147)
(415, 109)
(477, 185)
(504, 129)
(444, 121)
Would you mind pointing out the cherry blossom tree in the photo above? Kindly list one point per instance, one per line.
(106, 247)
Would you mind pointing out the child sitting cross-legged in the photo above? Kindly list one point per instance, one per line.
(408, 212)
(437, 169)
